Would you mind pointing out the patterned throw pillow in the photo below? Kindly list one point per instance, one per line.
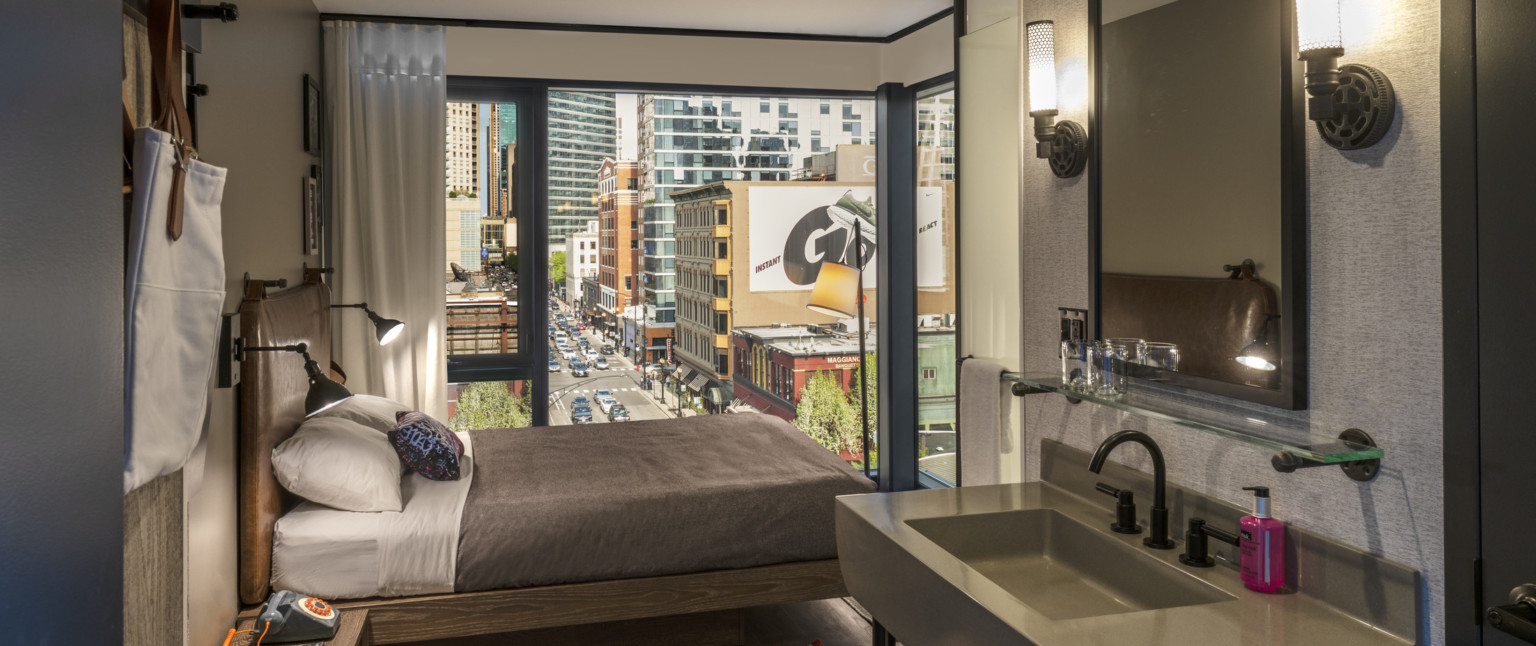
(426, 446)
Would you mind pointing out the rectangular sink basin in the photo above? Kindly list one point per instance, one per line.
(1062, 568)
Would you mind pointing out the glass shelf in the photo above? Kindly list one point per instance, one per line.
(1297, 438)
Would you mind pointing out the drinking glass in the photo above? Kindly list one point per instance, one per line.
(1077, 359)
(1112, 363)
(1128, 349)
(1161, 355)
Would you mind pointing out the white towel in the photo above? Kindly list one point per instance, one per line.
(983, 421)
(175, 294)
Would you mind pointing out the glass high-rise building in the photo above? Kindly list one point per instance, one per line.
(688, 141)
(583, 131)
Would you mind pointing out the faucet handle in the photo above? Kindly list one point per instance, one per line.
(1125, 509)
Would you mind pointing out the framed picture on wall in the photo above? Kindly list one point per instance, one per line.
(311, 115)
(311, 235)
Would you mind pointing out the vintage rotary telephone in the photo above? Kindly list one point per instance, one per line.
(288, 617)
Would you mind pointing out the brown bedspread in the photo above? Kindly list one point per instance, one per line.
(612, 501)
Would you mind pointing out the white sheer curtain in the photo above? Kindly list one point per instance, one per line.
(386, 91)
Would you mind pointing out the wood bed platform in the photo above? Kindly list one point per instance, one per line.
(271, 410)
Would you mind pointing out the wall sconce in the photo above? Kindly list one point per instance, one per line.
(1064, 145)
(1260, 355)
(1353, 105)
(323, 393)
(387, 329)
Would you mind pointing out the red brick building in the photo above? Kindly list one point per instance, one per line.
(618, 273)
(774, 363)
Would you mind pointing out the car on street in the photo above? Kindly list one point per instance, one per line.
(582, 415)
(581, 326)
(603, 392)
(554, 366)
(568, 354)
(580, 401)
(606, 403)
(578, 369)
(607, 349)
(591, 355)
(600, 364)
(618, 414)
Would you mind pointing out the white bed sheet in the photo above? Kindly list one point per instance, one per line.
(335, 554)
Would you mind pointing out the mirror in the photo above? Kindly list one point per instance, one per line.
(1200, 211)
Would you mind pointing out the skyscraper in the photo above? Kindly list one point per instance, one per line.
(583, 132)
(462, 173)
(688, 141)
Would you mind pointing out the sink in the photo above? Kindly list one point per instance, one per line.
(1062, 568)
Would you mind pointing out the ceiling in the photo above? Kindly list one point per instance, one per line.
(867, 18)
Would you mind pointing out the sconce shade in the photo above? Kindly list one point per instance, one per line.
(1258, 355)
(387, 329)
(1317, 26)
(1042, 65)
(836, 291)
(323, 393)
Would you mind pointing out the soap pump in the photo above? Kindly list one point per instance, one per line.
(1261, 542)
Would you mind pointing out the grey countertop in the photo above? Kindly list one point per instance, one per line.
(909, 583)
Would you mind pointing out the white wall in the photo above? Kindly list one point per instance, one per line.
(700, 60)
(250, 123)
(1374, 275)
(920, 55)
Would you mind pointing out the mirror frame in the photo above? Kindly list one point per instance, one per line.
(1292, 393)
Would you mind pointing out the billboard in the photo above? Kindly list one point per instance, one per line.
(932, 265)
(795, 228)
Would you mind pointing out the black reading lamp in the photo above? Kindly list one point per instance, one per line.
(323, 393)
(839, 292)
(387, 329)
(1260, 355)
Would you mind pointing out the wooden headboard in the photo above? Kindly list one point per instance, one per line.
(272, 390)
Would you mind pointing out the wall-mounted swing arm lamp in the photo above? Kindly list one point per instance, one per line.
(1261, 355)
(1353, 105)
(387, 329)
(323, 392)
(1064, 144)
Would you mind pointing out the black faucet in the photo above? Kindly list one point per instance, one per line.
(1159, 538)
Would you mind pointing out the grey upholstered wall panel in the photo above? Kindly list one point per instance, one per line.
(1375, 314)
(61, 322)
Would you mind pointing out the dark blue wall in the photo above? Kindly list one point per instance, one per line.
(61, 322)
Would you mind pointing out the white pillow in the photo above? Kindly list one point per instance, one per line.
(369, 410)
(339, 463)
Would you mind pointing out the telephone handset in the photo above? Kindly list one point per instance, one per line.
(287, 617)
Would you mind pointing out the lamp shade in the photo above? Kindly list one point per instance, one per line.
(1258, 355)
(836, 291)
(387, 329)
(1042, 65)
(323, 392)
(1317, 25)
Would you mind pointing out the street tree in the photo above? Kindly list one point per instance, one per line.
(557, 266)
(825, 415)
(489, 404)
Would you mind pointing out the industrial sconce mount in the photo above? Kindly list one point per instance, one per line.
(1353, 105)
(1064, 145)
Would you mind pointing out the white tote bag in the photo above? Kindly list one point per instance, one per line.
(175, 276)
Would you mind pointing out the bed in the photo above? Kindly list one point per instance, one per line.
(549, 527)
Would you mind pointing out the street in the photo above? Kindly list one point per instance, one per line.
(621, 378)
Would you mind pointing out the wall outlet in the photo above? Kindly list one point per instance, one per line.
(1074, 323)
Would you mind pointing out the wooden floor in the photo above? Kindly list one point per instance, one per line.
(836, 622)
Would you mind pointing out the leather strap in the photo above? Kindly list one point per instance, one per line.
(170, 109)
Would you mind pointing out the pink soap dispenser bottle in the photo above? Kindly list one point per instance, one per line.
(1261, 541)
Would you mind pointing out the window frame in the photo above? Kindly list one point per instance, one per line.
(895, 106)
